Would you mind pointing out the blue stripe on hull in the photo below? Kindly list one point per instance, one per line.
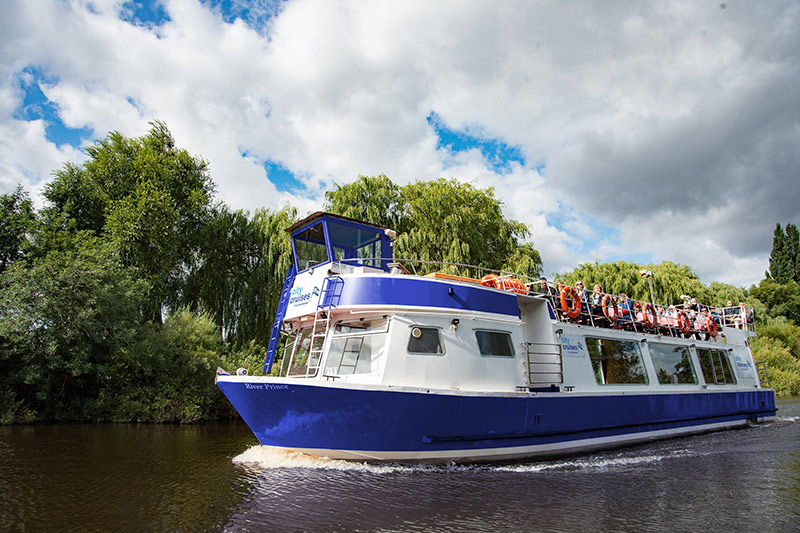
(307, 416)
(408, 291)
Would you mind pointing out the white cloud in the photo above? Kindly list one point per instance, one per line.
(676, 125)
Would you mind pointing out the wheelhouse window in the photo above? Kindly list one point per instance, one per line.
(310, 247)
(425, 340)
(616, 362)
(673, 364)
(303, 355)
(356, 347)
(716, 367)
(496, 343)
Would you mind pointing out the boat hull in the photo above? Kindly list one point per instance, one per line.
(435, 426)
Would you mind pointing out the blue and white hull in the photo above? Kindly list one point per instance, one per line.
(401, 425)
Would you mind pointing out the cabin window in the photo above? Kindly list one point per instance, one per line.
(310, 247)
(716, 367)
(356, 347)
(673, 364)
(616, 362)
(496, 343)
(425, 340)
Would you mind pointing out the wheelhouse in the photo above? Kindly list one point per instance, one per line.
(323, 238)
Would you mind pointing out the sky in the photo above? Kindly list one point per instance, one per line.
(643, 131)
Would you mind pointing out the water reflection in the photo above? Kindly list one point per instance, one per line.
(212, 477)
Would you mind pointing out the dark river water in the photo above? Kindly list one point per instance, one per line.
(212, 477)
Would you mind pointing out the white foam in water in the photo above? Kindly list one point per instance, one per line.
(268, 458)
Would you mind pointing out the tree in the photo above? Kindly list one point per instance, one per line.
(16, 218)
(441, 221)
(149, 198)
(783, 258)
(61, 318)
(670, 281)
(792, 244)
(781, 299)
(239, 272)
(373, 199)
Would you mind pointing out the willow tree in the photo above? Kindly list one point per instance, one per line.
(670, 281)
(238, 273)
(440, 224)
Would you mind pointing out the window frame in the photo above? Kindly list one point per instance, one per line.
(508, 335)
(688, 352)
(605, 383)
(715, 356)
(438, 330)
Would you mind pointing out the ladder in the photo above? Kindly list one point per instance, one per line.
(544, 365)
(763, 376)
(280, 313)
(329, 297)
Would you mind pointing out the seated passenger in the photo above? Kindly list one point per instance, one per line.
(625, 307)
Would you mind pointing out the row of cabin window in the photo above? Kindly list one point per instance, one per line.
(613, 361)
(427, 341)
(620, 362)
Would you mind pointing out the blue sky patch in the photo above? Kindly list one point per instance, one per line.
(145, 13)
(280, 176)
(499, 155)
(255, 13)
(36, 106)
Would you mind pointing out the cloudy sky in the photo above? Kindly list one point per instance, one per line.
(645, 131)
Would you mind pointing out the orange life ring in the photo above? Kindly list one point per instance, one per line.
(650, 323)
(683, 323)
(573, 311)
(503, 283)
(489, 280)
(711, 327)
(512, 284)
(615, 315)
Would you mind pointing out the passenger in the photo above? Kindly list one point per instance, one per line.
(596, 304)
(584, 296)
(625, 307)
(729, 313)
(544, 288)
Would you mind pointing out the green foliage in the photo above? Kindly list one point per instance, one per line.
(783, 260)
(61, 318)
(239, 271)
(16, 219)
(149, 198)
(166, 376)
(780, 299)
(670, 281)
(375, 200)
(440, 221)
(778, 345)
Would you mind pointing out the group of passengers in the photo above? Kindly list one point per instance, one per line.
(594, 312)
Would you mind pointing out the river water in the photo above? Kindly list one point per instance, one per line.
(212, 477)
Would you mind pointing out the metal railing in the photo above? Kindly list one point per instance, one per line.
(666, 322)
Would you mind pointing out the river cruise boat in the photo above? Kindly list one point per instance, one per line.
(381, 364)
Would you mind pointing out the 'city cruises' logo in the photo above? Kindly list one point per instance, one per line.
(298, 297)
(744, 366)
(568, 348)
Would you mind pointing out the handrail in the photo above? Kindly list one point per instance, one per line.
(742, 320)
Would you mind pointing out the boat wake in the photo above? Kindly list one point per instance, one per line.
(262, 458)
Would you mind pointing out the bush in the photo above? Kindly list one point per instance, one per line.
(775, 345)
(168, 375)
